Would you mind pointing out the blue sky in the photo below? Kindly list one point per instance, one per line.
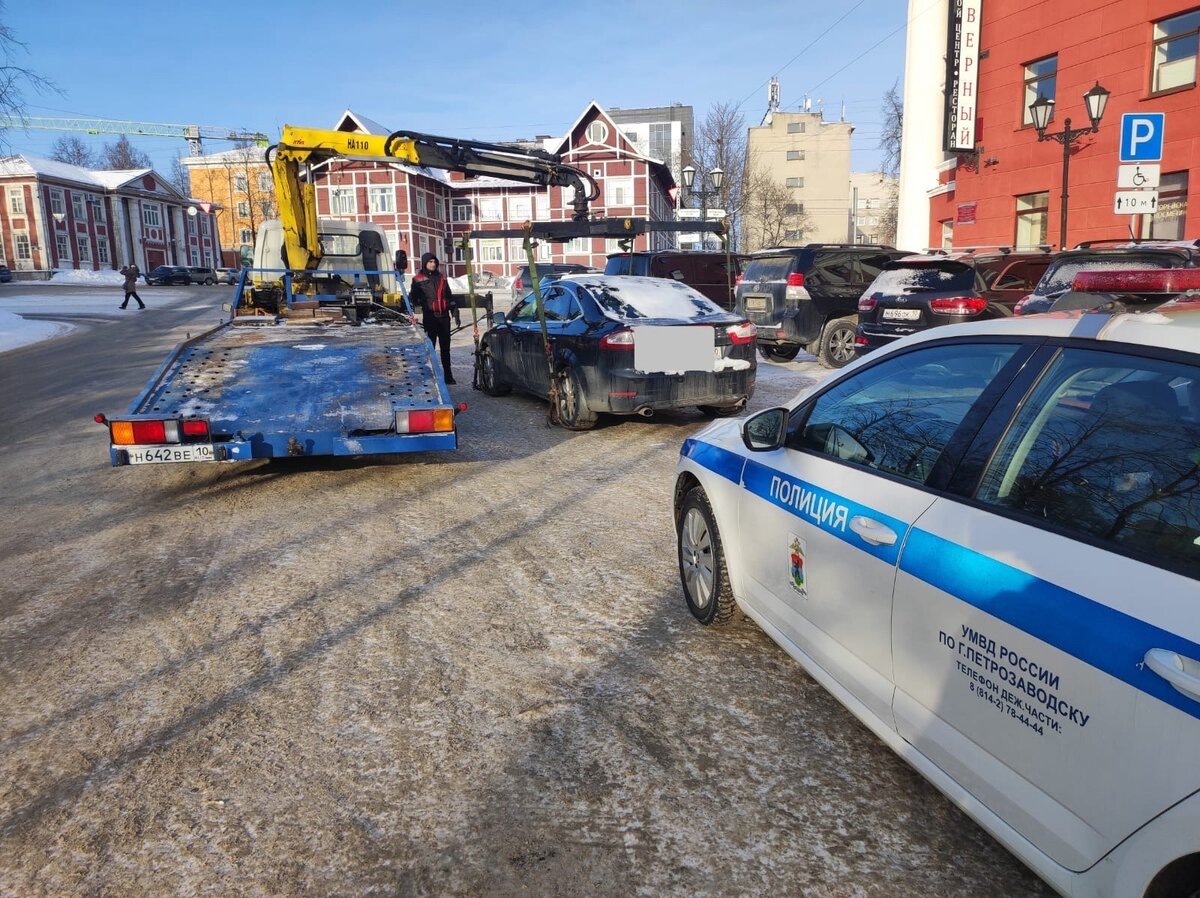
(498, 70)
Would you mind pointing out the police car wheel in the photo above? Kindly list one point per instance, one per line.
(573, 412)
(489, 378)
(702, 562)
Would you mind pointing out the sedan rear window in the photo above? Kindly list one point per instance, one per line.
(1058, 278)
(651, 298)
(924, 278)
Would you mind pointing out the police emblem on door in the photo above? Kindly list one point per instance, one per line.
(797, 575)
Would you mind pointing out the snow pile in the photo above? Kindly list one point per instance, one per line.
(16, 331)
(88, 278)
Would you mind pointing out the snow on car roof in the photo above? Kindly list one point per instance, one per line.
(624, 297)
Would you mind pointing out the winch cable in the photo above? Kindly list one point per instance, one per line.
(466, 248)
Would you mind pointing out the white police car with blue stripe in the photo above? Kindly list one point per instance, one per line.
(985, 541)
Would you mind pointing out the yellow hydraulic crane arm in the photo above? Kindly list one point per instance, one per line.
(300, 147)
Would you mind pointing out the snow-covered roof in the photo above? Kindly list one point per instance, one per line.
(361, 123)
(26, 165)
(120, 177)
(237, 154)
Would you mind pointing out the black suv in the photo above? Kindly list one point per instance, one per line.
(920, 292)
(1118, 255)
(806, 297)
(706, 272)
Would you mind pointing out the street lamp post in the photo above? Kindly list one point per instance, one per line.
(717, 178)
(1095, 100)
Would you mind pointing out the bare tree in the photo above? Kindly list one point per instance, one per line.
(179, 177)
(770, 215)
(74, 151)
(15, 77)
(889, 144)
(720, 142)
(253, 194)
(123, 155)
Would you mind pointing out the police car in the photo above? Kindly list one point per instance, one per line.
(984, 540)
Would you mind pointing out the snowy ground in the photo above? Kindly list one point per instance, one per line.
(461, 674)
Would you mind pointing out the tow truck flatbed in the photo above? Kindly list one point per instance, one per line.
(272, 388)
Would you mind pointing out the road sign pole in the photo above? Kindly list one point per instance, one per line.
(1062, 224)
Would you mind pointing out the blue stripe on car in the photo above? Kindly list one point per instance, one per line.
(1096, 634)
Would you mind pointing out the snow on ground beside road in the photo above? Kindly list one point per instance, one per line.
(16, 331)
(76, 277)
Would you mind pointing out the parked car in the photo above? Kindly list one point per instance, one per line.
(806, 297)
(168, 274)
(984, 540)
(1144, 290)
(707, 272)
(228, 276)
(548, 271)
(1093, 256)
(206, 276)
(918, 292)
(6, 275)
(622, 346)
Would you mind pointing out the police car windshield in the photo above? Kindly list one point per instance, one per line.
(632, 298)
(1058, 279)
(922, 278)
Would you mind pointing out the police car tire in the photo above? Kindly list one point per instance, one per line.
(573, 412)
(835, 349)
(719, 609)
(489, 378)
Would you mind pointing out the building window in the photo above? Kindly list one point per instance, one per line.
(462, 210)
(204, 225)
(794, 182)
(793, 209)
(1041, 80)
(948, 234)
(612, 246)
(195, 257)
(77, 207)
(98, 209)
(16, 201)
(542, 207)
(516, 251)
(1176, 44)
(151, 217)
(191, 223)
(264, 181)
(660, 142)
(519, 208)
(597, 132)
(240, 183)
(85, 247)
(618, 192)
(342, 201)
(64, 247)
(797, 235)
(795, 155)
(1168, 220)
(543, 251)
(56, 203)
(489, 209)
(246, 236)
(491, 250)
(1033, 215)
(795, 128)
(243, 209)
(21, 244)
(439, 208)
(580, 246)
(102, 250)
(381, 199)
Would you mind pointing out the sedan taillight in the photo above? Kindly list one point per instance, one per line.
(618, 339)
(741, 334)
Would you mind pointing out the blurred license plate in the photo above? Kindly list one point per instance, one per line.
(149, 455)
(673, 349)
(756, 303)
(901, 314)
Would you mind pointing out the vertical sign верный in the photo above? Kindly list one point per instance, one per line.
(962, 74)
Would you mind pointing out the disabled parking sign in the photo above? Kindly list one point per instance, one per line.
(1142, 136)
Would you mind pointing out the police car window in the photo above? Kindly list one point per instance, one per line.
(898, 416)
(1108, 447)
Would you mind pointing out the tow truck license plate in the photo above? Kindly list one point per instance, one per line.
(901, 314)
(148, 455)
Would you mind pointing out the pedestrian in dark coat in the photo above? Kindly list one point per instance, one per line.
(432, 293)
(131, 275)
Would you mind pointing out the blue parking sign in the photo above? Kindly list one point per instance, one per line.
(1142, 136)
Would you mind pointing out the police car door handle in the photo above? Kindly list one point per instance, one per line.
(1182, 673)
(872, 531)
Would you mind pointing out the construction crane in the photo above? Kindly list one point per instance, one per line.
(193, 134)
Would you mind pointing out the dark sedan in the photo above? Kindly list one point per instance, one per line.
(623, 346)
(168, 274)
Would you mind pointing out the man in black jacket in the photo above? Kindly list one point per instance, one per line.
(432, 293)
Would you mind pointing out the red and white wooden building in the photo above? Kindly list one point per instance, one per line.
(56, 216)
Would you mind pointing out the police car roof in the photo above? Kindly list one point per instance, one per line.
(1174, 325)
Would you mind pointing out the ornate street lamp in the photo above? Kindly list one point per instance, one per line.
(1095, 101)
(716, 177)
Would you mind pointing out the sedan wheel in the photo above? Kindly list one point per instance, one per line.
(573, 412)
(489, 378)
(702, 562)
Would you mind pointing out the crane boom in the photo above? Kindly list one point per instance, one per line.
(193, 134)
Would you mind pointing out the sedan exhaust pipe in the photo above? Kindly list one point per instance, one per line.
(646, 412)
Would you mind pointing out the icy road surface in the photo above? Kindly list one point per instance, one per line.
(463, 674)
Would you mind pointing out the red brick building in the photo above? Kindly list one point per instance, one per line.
(56, 215)
(424, 210)
(1144, 52)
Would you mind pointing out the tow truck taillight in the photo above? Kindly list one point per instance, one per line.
(867, 304)
(618, 339)
(154, 433)
(959, 305)
(741, 334)
(1151, 280)
(795, 287)
(427, 420)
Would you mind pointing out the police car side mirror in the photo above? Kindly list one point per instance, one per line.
(765, 431)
